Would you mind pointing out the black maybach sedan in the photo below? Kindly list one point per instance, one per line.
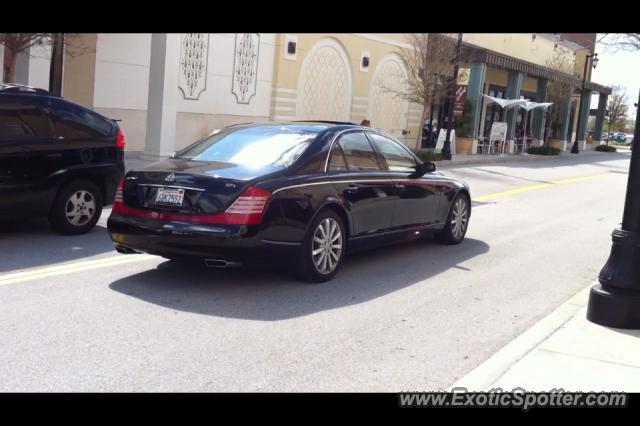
(301, 192)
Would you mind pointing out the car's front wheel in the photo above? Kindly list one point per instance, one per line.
(77, 208)
(457, 222)
(323, 248)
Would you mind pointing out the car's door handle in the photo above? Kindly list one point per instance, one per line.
(399, 187)
(351, 189)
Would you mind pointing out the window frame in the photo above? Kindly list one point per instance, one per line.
(376, 154)
(400, 144)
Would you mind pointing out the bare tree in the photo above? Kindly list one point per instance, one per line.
(614, 42)
(617, 109)
(429, 64)
(559, 91)
(17, 43)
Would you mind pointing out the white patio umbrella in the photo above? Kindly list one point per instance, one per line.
(528, 106)
(506, 103)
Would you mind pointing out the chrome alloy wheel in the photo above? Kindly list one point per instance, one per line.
(326, 249)
(459, 218)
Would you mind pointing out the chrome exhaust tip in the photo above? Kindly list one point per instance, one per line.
(220, 263)
(126, 250)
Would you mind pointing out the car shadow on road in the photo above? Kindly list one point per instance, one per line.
(32, 243)
(270, 294)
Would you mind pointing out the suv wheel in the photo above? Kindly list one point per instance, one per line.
(77, 208)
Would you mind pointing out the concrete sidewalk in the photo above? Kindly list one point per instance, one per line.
(466, 159)
(563, 351)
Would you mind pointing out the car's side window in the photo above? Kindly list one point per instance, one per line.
(73, 122)
(337, 162)
(358, 152)
(22, 122)
(397, 157)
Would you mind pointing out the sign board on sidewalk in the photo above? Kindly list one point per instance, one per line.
(442, 136)
(499, 131)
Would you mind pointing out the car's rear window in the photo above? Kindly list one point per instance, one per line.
(254, 146)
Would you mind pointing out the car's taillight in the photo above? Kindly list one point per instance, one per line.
(251, 201)
(247, 209)
(120, 139)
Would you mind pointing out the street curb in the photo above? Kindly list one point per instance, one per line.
(489, 372)
(511, 159)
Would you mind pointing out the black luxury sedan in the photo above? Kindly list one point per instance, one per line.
(57, 159)
(300, 192)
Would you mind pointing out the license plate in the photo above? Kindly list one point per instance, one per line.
(170, 197)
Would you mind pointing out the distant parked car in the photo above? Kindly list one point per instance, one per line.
(57, 159)
(620, 137)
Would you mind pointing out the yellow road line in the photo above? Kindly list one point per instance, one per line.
(50, 271)
(535, 186)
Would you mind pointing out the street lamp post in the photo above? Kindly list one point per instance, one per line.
(446, 148)
(594, 57)
(615, 301)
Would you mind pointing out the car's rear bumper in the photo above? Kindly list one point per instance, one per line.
(236, 243)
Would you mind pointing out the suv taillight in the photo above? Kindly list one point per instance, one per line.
(120, 139)
(118, 203)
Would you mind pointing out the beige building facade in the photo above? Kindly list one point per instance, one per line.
(169, 90)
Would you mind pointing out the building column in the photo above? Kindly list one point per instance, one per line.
(514, 83)
(474, 94)
(602, 110)
(163, 95)
(565, 116)
(21, 74)
(539, 114)
(584, 119)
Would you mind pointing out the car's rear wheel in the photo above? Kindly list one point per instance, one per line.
(76, 208)
(457, 222)
(323, 248)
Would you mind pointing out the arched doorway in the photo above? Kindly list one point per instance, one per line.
(324, 85)
(387, 110)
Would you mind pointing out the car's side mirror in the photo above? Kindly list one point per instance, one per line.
(424, 168)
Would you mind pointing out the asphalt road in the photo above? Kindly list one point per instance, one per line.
(76, 316)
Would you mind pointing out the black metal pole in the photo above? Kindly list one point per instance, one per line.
(575, 149)
(446, 149)
(55, 68)
(615, 301)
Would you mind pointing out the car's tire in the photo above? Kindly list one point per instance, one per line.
(77, 208)
(457, 222)
(323, 248)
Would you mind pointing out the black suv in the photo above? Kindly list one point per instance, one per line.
(57, 159)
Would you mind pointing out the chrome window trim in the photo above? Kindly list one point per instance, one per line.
(171, 186)
(397, 142)
(349, 181)
(335, 137)
(365, 131)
